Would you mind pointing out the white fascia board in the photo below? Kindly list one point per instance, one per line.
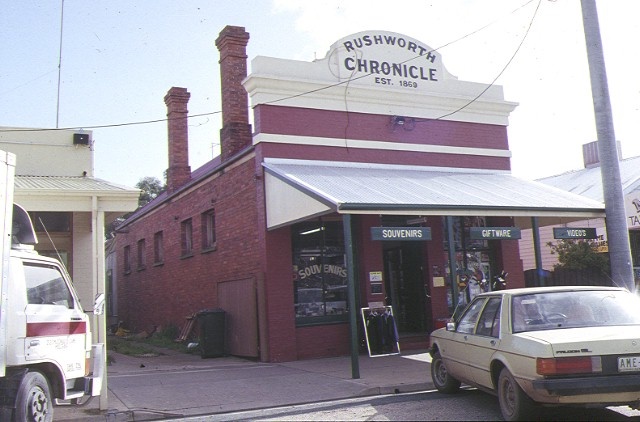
(377, 145)
(39, 201)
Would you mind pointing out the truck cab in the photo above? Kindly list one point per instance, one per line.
(46, 346)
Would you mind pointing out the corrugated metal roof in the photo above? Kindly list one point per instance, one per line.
(588, 181)
(367, 188)
(68, 184)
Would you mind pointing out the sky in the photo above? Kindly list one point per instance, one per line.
(118, 59)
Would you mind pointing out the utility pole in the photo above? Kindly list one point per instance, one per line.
(616, 221)
(59, 64)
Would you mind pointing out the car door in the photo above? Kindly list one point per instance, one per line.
(483, 343)
(56, 325)
(457, 355)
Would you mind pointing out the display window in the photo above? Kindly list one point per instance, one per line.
(319, 273)
(473, 261)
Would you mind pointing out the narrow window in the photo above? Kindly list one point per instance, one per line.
(142, 261)
(208, 230)
(186, 232)
(127, 259)
(158, 249)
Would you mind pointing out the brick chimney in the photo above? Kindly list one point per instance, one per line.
(591, 155)
(179, 171)
(235, 134)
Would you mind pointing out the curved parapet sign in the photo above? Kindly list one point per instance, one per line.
(387, 59)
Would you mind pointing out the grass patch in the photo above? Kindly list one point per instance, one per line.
(141, 344)
(128, 346)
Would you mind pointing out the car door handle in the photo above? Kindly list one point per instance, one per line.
(76, 318)
(492, 342)
(465, 337)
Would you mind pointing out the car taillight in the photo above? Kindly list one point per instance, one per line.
(567, 366)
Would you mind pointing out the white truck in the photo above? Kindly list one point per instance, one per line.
(46, 350)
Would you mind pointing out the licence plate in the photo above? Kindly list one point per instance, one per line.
(629, 364)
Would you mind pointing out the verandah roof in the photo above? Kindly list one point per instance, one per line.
(300, 189)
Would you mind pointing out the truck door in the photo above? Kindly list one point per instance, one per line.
(56, 324)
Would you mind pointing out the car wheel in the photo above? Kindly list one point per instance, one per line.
(442, 380)
(515, 405)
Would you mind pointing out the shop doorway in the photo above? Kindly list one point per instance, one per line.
(405, 287)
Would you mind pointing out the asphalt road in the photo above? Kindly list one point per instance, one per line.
(469, 404)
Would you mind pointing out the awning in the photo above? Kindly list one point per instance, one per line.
(300, 189)
(68, 193)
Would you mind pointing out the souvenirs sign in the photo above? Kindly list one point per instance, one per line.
(400, 233)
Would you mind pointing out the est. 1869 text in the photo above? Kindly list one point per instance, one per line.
(389, 81)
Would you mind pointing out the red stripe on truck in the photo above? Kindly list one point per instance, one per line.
(36, 329)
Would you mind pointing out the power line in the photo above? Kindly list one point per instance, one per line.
(345, 82)
(535, 12)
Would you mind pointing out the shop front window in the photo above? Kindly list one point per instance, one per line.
(473, 260)
(319, 273)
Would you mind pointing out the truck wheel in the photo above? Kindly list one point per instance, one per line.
(515, 405)
(442, 380)
(33, 399)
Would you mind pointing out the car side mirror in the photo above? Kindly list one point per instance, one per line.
(451, 326)
(98, 304)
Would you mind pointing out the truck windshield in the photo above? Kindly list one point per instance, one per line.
(45, 285)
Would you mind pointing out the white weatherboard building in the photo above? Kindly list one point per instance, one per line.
(69, 207)
(587, 182)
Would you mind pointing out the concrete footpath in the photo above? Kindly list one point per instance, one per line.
(172, 385)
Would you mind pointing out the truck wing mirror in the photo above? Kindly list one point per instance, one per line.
(98, 304)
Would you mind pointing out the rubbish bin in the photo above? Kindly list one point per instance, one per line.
(212, 331)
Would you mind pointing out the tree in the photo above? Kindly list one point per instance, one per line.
(579, 255)
(151, 187)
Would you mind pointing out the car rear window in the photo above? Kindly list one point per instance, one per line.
(569, 309)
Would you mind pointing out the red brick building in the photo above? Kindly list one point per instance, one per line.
(359, 172)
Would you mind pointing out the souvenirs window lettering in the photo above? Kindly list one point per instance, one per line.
(320, 273)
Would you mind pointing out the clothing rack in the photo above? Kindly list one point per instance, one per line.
(380, 331)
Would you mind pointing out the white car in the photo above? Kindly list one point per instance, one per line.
(575, 346)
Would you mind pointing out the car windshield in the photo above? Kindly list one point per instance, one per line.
(569, 309)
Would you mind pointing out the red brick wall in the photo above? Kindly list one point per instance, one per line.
(162, 295)
(280, 315)
(379, 127)
(372, 127)
(370, 258)
(437, 264)
(359, 155)
(323, 341)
